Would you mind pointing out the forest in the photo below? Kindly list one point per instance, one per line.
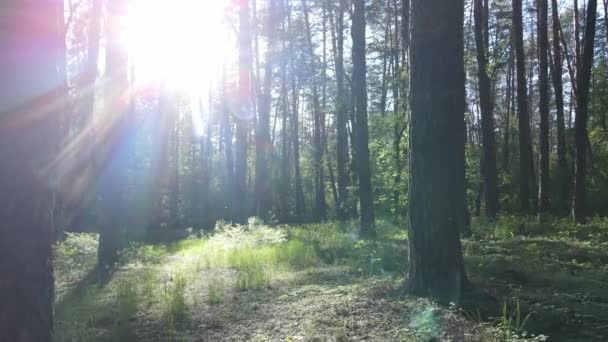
(303, 170)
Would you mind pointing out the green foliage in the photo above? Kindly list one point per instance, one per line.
(142, 253)
(76, 254)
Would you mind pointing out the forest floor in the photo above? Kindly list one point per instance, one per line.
(319, 283)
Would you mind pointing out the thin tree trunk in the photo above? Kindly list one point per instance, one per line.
(489, 171)
(562, 165)
(116, 109)
(437, 137)
(579, 209)
(544, 98)
(244, 115)
(525, 157)
(320, 204)
(360, 97)
(341, 115)
(263, 144)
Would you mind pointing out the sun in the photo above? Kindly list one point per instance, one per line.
(182, 43)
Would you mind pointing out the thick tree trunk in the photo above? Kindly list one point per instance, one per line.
(544, 98)
(583, 81)
(31, 55)
(558, 87)
(525, 156)
(489, 171)
(360, 97)
(437, 137)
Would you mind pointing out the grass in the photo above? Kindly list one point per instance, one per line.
(255, 282)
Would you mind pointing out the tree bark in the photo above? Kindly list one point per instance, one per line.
(489, 171)
(31, 57)
(583, 81)
(360, 97)
(525, 156)
(437, 137)
(544, 98)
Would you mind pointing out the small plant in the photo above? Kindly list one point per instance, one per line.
(215, 292)
(175, 307)
(512, 323)
(254, 276)
(126, 305)
(149, 287)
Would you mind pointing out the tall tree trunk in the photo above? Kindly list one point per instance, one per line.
(31, 57)
(577, 37)
(510, 105)
(489, 171)
(583, 81)
(244, 115)
(360, 97)
(341, 116)
(558, 87)
(320, 204)
(606, 21)
(227, 136)
(174, 165)
(295, 133)
(405, 31)
(544, 98)
(385, 69)
(116, 108)
(525, 157)
(263, 144)
(437, 137)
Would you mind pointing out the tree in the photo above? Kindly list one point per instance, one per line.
(488, 165)
(558, 88)
(263, 141)
(112, 140)
(244, 114)
(583, 81)
(320, 204)
(525, 144)
(437, 137)
(360, 100)
(341, 114)
(31, 44)
(543, 85)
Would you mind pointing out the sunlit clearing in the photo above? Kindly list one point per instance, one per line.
(182, 43)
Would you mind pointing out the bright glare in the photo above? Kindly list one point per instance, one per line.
(183, 43)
